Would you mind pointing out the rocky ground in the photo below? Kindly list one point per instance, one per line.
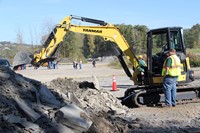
(31, 102)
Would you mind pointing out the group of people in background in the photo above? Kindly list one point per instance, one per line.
(76, 64)
(53, 65)
(80, 64)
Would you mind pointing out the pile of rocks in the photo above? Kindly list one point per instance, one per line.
(29, 106)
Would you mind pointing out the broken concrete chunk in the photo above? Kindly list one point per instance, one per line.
(47, 97)
(63, 129)
(117, 110)
(20, 79)
(73, 117)
(12, 118)
(27, 110)
(22, 121)
(30, 125)
(74, 99)
(4, 76)
(96, 82)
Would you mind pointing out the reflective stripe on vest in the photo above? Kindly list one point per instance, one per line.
(174, 69)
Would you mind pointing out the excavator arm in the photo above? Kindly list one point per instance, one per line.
(108, 31)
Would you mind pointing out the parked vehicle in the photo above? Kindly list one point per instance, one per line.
(5, 62)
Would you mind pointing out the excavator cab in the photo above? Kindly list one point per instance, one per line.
(159, 41)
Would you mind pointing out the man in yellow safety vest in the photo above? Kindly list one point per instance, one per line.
(171, 70)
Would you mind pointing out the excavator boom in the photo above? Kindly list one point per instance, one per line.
(108, 31)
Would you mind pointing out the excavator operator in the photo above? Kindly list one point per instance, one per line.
(139, 71)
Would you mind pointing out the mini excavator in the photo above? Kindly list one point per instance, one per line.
(147, 88)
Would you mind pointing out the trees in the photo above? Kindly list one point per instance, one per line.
(79, 46)
(140, 37)
(135, 36)
(192, 36)
(68, 46)
(19, 39)
(88, 46)
(127, 32)
(71, 46)
(102, 48)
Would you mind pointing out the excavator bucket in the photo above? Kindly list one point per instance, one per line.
(21, 58)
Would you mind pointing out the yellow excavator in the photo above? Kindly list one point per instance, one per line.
(147, 88)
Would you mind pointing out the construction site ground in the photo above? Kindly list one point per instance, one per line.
(103, 73)
(118, 118)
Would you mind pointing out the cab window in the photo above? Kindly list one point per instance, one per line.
(175, 40)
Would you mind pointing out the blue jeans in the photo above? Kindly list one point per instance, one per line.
(169, 88)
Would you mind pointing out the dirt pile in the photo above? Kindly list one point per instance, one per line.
(64, 105)
(110, 116)
(87, 96)
(29, 106)
(106, 111)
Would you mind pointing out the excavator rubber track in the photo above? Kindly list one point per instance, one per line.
(137, 96)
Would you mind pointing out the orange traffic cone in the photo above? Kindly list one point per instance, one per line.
(114, 85)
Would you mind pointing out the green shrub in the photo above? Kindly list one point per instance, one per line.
(194, 59)
(117, 65)
(196, 50)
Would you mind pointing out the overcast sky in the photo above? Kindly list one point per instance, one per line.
(30, 16)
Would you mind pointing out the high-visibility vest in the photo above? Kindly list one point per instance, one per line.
(141, 65)
(174, 69)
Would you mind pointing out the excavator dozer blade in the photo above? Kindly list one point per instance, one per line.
(21, 58)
